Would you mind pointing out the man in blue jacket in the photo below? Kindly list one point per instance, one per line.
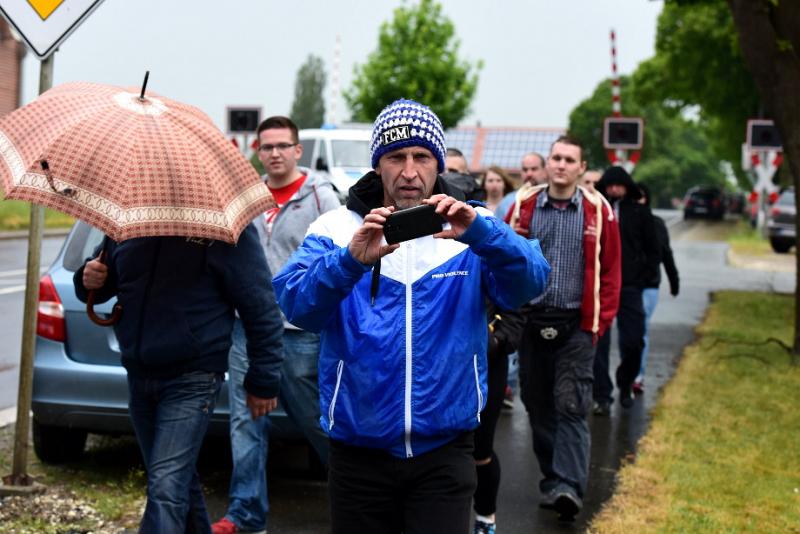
(402, 367)
(178, 297)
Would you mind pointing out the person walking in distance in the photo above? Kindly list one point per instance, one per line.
(650, 292)
(533, 171)
(639, 263)
(496, 184)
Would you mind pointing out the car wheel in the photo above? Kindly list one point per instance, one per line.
(56, 444)
(780, 246)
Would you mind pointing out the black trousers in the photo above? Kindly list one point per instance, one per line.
(373, 492)
(556, 389)
(630, 326)
(489, 474)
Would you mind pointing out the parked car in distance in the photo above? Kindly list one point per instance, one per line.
(79, 386)
(781, 222)
(340, 153)
(736, 203)
(704, 201)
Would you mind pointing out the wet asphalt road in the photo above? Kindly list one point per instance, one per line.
(13, 261)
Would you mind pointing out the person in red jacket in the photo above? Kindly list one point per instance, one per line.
(580, 239)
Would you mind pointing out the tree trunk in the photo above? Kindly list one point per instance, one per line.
(769, 36)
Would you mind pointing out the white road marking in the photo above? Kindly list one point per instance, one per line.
(19, 272)
(15, 272)
(12, 289)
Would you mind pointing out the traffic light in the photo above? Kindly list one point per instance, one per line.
(624, 133)
(243, 120)
(763, 135)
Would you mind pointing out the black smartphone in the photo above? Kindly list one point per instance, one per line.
(411, 223)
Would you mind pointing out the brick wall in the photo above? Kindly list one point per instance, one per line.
(11, 53)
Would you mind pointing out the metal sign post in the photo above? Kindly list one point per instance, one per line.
(44, 25)
(19, 481)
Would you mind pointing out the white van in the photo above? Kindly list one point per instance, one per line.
(341, 153)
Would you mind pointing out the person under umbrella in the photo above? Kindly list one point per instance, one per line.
(176, 200)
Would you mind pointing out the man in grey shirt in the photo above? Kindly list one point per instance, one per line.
(301, 197)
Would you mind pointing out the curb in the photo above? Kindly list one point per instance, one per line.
(23, 234)
(8, 416)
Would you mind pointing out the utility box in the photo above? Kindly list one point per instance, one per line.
(243, 119)
(623, 133)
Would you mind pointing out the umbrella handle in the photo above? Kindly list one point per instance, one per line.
(90, 298)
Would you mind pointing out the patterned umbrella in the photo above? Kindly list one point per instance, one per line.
(128, 164)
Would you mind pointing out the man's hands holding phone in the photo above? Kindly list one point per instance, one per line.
(458, 213)
(366, 246)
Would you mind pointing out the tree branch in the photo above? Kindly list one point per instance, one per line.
(787, 348)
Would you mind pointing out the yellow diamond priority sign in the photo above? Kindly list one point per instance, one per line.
(45, 7)
(45, 24)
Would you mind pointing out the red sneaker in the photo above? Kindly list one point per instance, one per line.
(224, 526)
(638, 388)
(508, 398)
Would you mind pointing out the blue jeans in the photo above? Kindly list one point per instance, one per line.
(513, 371)
(300, 387)
(649, 301)
(248, 505)
(170, 418)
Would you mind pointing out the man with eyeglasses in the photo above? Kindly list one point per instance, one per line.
(301, 197)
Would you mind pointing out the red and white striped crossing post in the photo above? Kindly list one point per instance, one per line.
(335, 73)
(618, 156)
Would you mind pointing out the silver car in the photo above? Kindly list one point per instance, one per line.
(780, 222)
(79, 386)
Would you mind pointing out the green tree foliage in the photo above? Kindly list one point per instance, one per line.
(698, 62)
(676, 153)
(308, 108)
(257, 165)
(416, 58)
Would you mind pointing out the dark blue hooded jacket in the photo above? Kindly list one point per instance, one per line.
(178, 297)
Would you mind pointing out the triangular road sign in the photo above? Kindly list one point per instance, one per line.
(44, 24)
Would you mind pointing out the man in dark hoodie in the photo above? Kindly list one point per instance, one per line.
(650, 293)
(402, 365)
(639, 256)
(178, 297)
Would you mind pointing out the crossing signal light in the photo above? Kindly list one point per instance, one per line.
(763, 135)
(625, 133)
(243, 120)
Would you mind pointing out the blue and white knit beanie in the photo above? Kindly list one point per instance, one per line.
(407, 123)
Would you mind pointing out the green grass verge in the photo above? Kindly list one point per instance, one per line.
(749, 241)
(16, 215)
(721, 454)
(102, 493)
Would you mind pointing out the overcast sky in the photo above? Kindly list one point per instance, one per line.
(541, 57)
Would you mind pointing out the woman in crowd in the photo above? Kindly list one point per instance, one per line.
(496, 183)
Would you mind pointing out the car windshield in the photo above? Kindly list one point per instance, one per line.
(786, 199)
(353, 153)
